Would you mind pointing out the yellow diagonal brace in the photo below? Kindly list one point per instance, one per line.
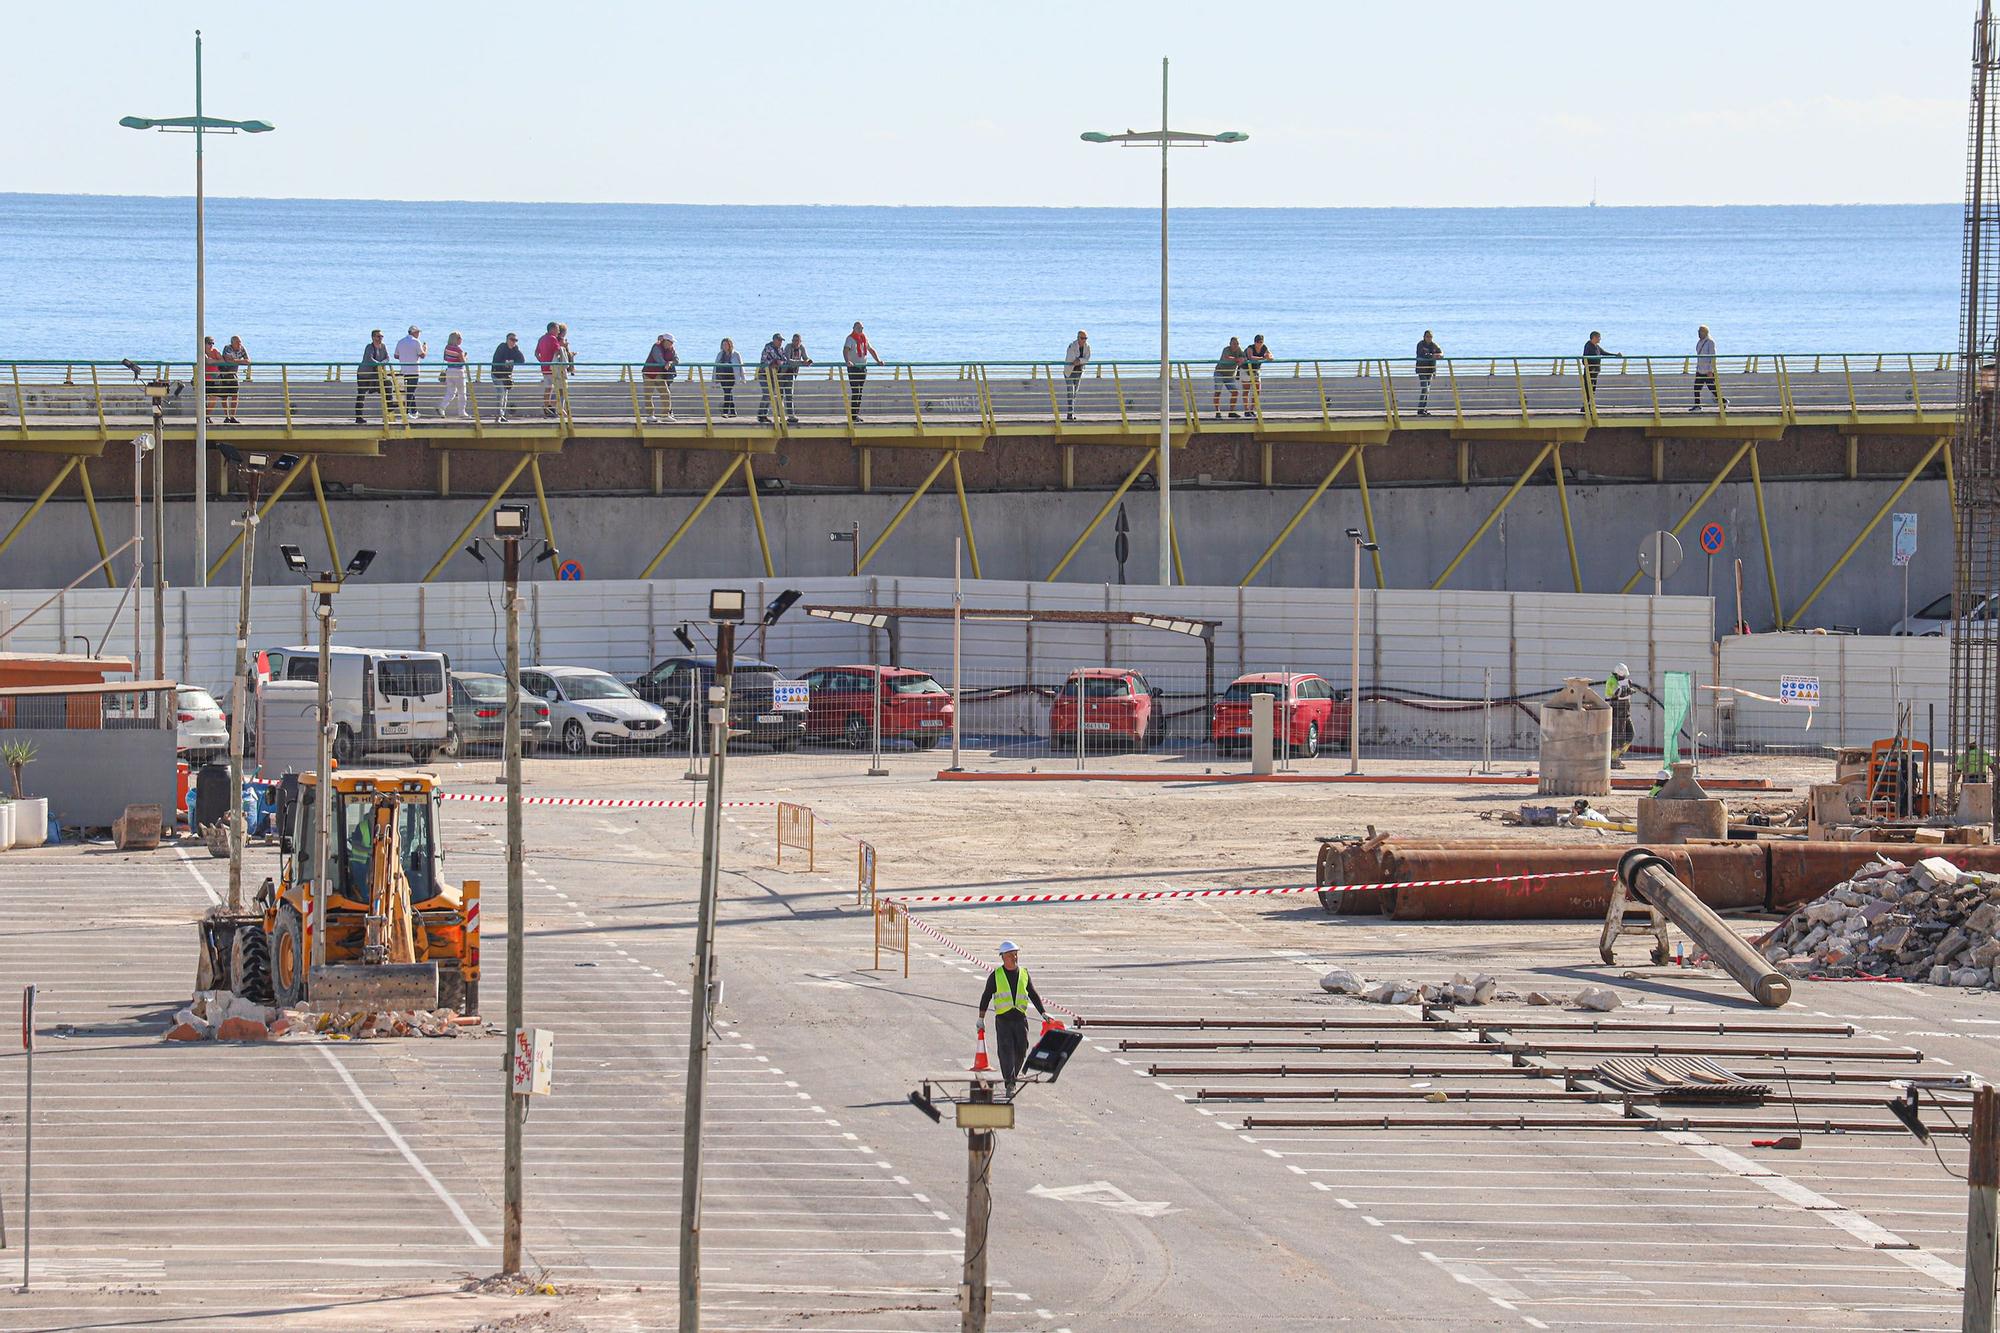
(465, 533)
(965, 514)
(693, 514)
(542, 499)
(1494, 517)
(1695, 508)
(1285, 533)
(1569, 532)
(277, 494)
(1867, 528)
(896, 520)
(1368, 513)
(96, 523)
(325, 518)
(1764, 532)
(1103, 510)
(757, 515)
(36, 507)
(1174, 541)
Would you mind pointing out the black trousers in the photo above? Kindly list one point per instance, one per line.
(857, 380)
(1011, 1032)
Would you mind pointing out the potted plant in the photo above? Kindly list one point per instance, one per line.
(29, 818)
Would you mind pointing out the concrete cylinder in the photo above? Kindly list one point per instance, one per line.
(1261, 733)
(1682, 812)
(1576, 742)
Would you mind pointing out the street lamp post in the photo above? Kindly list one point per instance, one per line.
(1166, 138)
(1354, 669)
(198, 125)
(254, 466)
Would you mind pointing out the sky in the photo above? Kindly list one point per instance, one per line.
(1445, 104)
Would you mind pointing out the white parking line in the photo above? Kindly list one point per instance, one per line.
(416, 1163)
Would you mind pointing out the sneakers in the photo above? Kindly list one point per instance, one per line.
(1235, 415)
(793, 421)
(671, 417)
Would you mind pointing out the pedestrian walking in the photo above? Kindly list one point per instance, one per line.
(770, 373)
(548, 353)
(796, 359)
(663, 363)
(728, 370)
(1226, 368)
(454, 379)
(1593, 362)
(855, 352)
(211, 373)
(411, 350)
(1254, 357)
(505, 357)
(1704, 369)
(1075, 357)
(1009, 992)
(372, 376)
(1428, 353)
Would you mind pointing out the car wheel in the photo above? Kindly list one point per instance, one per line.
(422, 753)
(1310, 750)
(858, 733)
(344, 748)
(574, 741)
(927, 742)
(454, 744)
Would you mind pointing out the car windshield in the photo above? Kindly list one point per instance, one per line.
(1097, 687)
(198, 701)
(914, 685)
(483, 687)
(1938, 610)
(594, 687)
(1242, 690)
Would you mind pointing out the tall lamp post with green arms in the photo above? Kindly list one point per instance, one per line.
(1165, 138)
(198, 125)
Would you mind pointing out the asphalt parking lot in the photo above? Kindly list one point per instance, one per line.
(309, 1184)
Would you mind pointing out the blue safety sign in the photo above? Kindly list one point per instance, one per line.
(1711, 538)
(569, 572)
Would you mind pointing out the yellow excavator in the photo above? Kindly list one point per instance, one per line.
(388, 935)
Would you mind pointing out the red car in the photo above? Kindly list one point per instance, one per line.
(1119, 708)
(841, 705)
(1303, 705)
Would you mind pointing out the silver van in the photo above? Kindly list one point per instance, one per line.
(381, 700)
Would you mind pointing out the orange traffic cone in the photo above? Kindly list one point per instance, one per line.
(980, 1064)
(1050, 1025)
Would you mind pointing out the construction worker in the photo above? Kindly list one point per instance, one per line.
(1618, 693)
(1010, 993)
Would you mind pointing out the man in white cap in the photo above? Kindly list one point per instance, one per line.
(1010, 993)
(410, 353)
(1618, 693)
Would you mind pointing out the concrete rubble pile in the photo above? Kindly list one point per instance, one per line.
(220, 1015)
(1932, 922)
(1464, 988)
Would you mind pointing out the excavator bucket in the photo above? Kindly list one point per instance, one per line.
(353, 987)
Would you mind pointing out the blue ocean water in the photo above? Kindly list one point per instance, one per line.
(300, 279)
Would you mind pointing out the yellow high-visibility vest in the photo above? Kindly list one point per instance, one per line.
(1014, 1001)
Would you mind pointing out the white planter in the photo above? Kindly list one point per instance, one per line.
(31, 821)
(6, 825)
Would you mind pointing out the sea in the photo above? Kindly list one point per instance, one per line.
(102, 277)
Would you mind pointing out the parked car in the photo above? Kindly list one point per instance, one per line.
(844, 700)
(1934, 620)
(591, 708)
(201, 731)
(479, 714)
(763, 705)
(1119, 709)
(1303, 706)
(381, 699)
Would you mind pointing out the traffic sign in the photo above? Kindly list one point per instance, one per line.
(569, 571)
(1711, 538)
(1903, 544)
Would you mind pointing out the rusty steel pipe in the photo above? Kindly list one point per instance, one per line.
(1650, 878)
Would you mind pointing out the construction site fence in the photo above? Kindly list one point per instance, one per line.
(1485, 388)
(1455, 675)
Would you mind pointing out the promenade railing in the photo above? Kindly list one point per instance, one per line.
(999, 397)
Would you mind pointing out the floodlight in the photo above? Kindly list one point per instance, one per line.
(295, 559)
(472, 549)
(510, 521)
(358, 566)
(265, 127)
(922, 1101)
(259, 461)
(725, 604)
(681, 633)
(780, 604)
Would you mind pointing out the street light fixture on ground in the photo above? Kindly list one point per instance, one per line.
(1354, 672)
(1166, 138)
(198, 125)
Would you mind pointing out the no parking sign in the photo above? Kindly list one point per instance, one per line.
(1712, 539)
(569, 571)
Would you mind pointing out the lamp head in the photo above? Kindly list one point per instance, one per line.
(686, 639)
(135, 122)
(1231, 136)
(780, 604)
(295, 559)
(358, 564)
(1354, 534)
(510, 521)
(1088, 136)
(725, 604)
(471, 548)
(256, 126)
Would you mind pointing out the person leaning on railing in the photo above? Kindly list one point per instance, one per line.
(1593, 362)
(770, 367)
(371, 376)
(728, 370)
(796, 359)
(1075, 357)
(505, 357)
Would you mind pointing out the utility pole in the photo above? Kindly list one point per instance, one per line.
(1982, 1179)
(141, 444)
(1354, 669)
(975, 1297)
(725, 608)
(516, 1107)
(238, 693)
(323, 774)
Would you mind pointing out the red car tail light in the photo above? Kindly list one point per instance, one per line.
(486, 712)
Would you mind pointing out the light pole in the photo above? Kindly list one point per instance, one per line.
(1166, 138)
(156, 393)
(1354, 670)
(198, 125)
(141, 446)
(255, 466)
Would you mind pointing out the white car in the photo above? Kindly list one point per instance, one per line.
(1934, 621)
(200, 731)
(591, 709)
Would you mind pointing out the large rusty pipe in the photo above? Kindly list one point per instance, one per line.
(1650, 878)
(1726, 876)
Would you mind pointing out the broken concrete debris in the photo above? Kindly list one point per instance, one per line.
(1931, 922)
(220, 1015)
(1464, 988)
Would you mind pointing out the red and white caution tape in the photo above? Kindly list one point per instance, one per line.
(595, 802)
(953, 945)
(1133, 895)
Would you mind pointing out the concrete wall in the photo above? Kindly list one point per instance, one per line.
(91, 776)
(1021, 535)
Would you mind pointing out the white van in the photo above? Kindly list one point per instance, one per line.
(381, 700)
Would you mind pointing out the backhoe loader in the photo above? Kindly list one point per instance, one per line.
(389, 934)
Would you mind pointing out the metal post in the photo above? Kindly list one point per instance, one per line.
(694, 770)
(159, 540)
(201, 364)
(1486, 741)
(239, 700)
(1077, 723)
(1982, 1176)
(1166, 386)
(1354, 674)
(975, 1298)
(514, 1108)
(323, 798)
(957, 647)
(28, 1132)
(854, 550)
(1284, 712)
(704, 979)
(1659, 553)
(1906, 596)
(138, 550)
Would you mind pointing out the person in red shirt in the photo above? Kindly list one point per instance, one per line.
(548, 351)
(212, 372)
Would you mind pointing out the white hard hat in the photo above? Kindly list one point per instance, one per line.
(1008, 946)
(1621, 670)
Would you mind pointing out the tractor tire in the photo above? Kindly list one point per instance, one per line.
(288, 959)
(451, 988)
(250, 964)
